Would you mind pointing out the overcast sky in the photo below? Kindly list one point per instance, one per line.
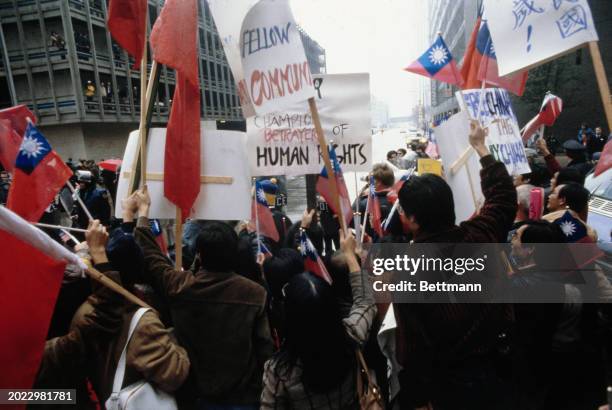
(380, 37)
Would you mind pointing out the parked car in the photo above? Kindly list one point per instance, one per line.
(600, 211)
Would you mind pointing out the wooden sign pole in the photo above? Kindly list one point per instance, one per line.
(143, 108)
(178, 240)
(602, 81)
(328, 166)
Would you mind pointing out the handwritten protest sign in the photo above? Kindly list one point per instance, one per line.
(285, 143)
(274, 63)
(224, 175)
(527, 33)
(492, 106)
(228, 16)
(453, 139)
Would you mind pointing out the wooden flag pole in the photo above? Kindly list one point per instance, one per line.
(178, 240)
(111, 284)
(314, 112)
(143, 108)
(602, 81)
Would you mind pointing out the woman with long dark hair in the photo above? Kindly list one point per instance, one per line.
(316, 366)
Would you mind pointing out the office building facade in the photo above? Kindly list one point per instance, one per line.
(59, 58)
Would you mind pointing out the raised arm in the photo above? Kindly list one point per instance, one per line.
(162, 275)
(497, 214)
(551, 162)
(359, 321)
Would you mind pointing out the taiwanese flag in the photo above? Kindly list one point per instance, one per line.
(38, 176)
(488, 71)
(605, 161)
(127, 23)
(33, 266)
(262, 216)
(173, 40)
(437, 63)
(374, 209)
(549, 112)
(471, 60)
(583, 249)
(323, 188)
(13, 123)
(312, 261)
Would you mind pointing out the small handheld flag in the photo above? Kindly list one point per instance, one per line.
(324, 189)
(549, 112)
(39, 175)
(261, 216)
(312, 261)
(437, 63)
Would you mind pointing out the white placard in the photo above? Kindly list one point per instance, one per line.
(527, 33)
(492, 106)
(274, 63)
(228, 16)
(223, 154)
(285, 143)
(453, 138)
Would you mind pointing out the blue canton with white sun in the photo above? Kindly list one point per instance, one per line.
(33, 149)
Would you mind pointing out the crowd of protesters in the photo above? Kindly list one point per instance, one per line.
(241, 328)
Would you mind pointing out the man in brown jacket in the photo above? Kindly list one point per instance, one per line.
(98, 334)
(218, 316)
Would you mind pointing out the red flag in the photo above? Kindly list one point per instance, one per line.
(13, 123)
(261, 216)
(374, 209)
(127, 21)
(471, 61)
(605, 161)
(173, 40)
(312, 260)
(18, 116)
(30, 281)
(549, 112)
(323, 188)
(10, 142)
(38, 176)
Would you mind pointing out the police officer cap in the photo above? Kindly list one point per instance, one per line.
(573, 145)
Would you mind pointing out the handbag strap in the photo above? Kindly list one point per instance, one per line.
(120, 372)
(361, 364)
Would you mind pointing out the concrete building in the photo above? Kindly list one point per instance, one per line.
(455, 19)
(59, 59)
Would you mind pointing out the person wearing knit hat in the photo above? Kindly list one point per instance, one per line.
(270, 187)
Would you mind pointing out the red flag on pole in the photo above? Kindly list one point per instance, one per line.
(550, 110)
(38, 176)
(261, 216)
(471, 61)
(127, 21)
(13, 123)
(32, 272)
(323, 188)
(173, 40)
